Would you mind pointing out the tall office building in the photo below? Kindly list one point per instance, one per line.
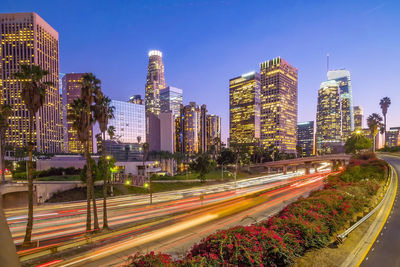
(27, 39)
(279, 105)
(305, 137)
(71, 90)
(244, 108)
(155, 82)
(392, 137)
(342, 77)
(129, 122)
(188, 130)
(136, 99)
(171, 99)
(213, 131)
(328, 134)
(358, 117)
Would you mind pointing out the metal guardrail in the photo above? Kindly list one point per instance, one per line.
(343, 235)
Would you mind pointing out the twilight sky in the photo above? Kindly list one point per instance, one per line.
(205, 43)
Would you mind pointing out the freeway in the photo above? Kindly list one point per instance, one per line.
(178, 231)
(54, 223)
(385, 250)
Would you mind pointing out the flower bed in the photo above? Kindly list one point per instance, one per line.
(308, 223)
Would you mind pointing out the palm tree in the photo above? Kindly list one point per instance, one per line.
(33, 94)
(374, 122)
(102, 113)
(385, 103)
(81, 122)
(5, 112)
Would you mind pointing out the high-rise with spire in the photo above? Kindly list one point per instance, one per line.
(155, 82)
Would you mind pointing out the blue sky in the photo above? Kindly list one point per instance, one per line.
(205, 43)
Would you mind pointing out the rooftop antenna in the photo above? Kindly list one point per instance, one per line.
(327, 62)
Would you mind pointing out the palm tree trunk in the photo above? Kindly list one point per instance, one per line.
(91, 179)
(8, 253)
(29, 225)
(384, 134)
(105, 220)
(374, 139)
(88, 190)
(2, 152)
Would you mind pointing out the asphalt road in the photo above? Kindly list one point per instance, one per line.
(385, 252)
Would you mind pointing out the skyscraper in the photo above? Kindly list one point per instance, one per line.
(155, 82)
(129, 122)
(71, 90)
(358, 117)
(188, 130)
(305, 137)
(171, 99)
(213, 131)
(328, 134)
(244, 108)
(27, 39)
(136, 99)
(279, 105)
(342, 77)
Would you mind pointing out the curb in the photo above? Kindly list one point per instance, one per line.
(359, 253)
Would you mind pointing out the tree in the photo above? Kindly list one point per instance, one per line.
(374, 122)
(203, 164)
(227, 156)
(384, 103)
(103, 111)
(356, 143)
(33, 95)
(5, 113)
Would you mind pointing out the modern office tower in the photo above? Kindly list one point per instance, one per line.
(71, 85)
(155, 82)
(305, 137)
(188, 130)
(244, 108)
(136, 99)
(214, 131)
(171, 99)
(342, 77)
(27, 39)
(358, 117)
(328, 134)
(129, 122)
(279, 105)
(203, 129)
(392, 137)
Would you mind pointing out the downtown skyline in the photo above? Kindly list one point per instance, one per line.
(206, 62)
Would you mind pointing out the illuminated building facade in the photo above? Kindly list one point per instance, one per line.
(279, 105)
(129, 122)
(71, 90)
(213, 131)
(392, 137)
(358, 117)
(305, 137)
(136, 99)
(27, 39)
(328, 134)
(342, 77)
(155, 82)
(171, 99)
(188, 130)
(244, 108)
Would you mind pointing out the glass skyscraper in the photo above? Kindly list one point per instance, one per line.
(358, 117)
(342, 77)
(305, 137)
(171, 99)
(328, 134)
(244, 108)
(279, 105)
(129, 122)
(27, 39)
(155, 82)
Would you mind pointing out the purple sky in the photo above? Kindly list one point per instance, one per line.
(205, 43)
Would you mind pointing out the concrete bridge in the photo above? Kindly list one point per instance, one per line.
(336, 160)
